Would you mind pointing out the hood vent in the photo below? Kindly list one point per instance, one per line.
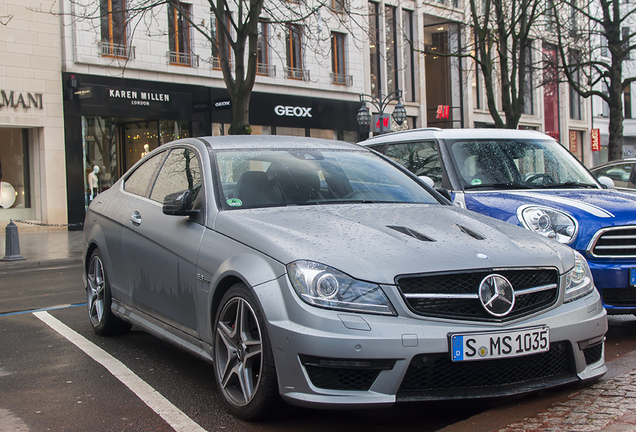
(412, 233)
(470, 232)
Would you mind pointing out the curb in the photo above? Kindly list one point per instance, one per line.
(26, 264)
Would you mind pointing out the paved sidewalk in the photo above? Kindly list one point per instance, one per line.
(44, 247)
(607, 406)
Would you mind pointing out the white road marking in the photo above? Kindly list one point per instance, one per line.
(151, 397)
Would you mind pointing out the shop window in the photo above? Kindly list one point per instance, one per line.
(294, 52)
(551, 92)
(575, 97)
(627, 101)
(179, 34)
(390, 18)
(113, 28)
(100, 155)
(374, 48)
(338, 66)
(15, 190)
(410, 90)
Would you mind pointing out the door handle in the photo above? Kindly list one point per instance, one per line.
(135, 218)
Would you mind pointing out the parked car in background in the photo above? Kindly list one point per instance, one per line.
(319, 273)
(622, 172)
(529, 179)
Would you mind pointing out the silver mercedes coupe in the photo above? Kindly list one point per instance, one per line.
(320, 274)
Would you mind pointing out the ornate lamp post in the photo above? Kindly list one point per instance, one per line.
(380, 103)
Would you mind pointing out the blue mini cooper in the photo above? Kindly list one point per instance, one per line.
(529, 179)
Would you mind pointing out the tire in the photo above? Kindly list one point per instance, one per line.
(243, 359)
(99, 299)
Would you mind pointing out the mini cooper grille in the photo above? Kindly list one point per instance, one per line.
(455, 295)
(617, 242)
(619, 296)
(430, 374)
(593, 354)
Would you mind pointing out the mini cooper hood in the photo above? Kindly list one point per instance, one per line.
(593, 209)
(377, 242)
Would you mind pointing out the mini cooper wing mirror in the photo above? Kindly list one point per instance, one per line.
(179, 204)
(606, 182)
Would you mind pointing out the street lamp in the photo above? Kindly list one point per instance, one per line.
(380, 103)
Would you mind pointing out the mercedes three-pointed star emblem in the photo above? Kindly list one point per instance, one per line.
(497, 295)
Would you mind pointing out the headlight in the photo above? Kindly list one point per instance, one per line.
(329, 288)
(579, 280)
(548, 222)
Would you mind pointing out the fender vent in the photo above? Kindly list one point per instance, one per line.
(470, 232)
(411, 233)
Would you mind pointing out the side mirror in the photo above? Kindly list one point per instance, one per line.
(606, 182)
(179, 204)
(429, 181)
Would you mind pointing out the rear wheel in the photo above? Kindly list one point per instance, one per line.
(99, 299)
(243, 359)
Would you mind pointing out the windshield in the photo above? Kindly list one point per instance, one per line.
(270, 178)
(497, 164)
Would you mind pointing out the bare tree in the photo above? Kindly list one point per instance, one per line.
(593, 45)
(502, 35)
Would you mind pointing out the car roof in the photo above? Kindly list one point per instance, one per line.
(436, 133)
(274, 142)
(614, 162)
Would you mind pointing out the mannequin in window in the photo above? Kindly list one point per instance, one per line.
(93, 182)
(146, 150)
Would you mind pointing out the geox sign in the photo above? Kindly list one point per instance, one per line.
(17, 99)
(292, 111)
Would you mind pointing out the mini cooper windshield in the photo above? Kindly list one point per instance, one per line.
(281, 177)
(517, 164)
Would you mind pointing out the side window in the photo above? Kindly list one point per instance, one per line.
(619, 173)
(139, 181)
(421, 158)
(180, 172)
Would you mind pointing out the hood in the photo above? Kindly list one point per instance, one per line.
(593, 209)
(376, 242)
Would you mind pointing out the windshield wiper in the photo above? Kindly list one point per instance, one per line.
(499, 186)
(570, 184)
(357, 201)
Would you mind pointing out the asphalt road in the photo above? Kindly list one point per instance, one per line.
(48, 383)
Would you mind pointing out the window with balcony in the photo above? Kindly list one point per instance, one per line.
(338, 66)
(293, 45)
(575, 97)
(390, 18)
(179, 30)
(216, 33)
(339, 6)
(262, 51)
(410, 89)
(374, 53)
(528, 103)
(627, 102)
(113, 29)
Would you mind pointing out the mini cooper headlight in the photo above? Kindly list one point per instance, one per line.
(323, 286)
(579, 280)
(548, 222)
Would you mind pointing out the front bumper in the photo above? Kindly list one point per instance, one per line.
(341, 359)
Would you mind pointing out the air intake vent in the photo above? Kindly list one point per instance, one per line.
(411, 233)
(470, 232)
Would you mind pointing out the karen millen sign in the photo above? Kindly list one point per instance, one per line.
(27, 100)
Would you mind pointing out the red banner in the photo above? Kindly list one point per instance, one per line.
(596, 139)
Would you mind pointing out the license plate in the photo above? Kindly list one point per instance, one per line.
(632, 277)
(499, 344)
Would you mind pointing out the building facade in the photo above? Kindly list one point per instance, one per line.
(32, 156)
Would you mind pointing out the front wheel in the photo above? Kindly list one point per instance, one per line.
(99, 299)
(243, 359)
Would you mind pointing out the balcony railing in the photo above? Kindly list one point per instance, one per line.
(216, 63)
(182, 59)
(297, 73)
(346, 80)
(266, 69)
(108, 49)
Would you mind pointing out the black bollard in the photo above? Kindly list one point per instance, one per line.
(12, 244)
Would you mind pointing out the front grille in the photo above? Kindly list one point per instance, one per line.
(615, 242)
(431, 375)
(455, 295)
(344, 374)
(619, 296)
(593, 354)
